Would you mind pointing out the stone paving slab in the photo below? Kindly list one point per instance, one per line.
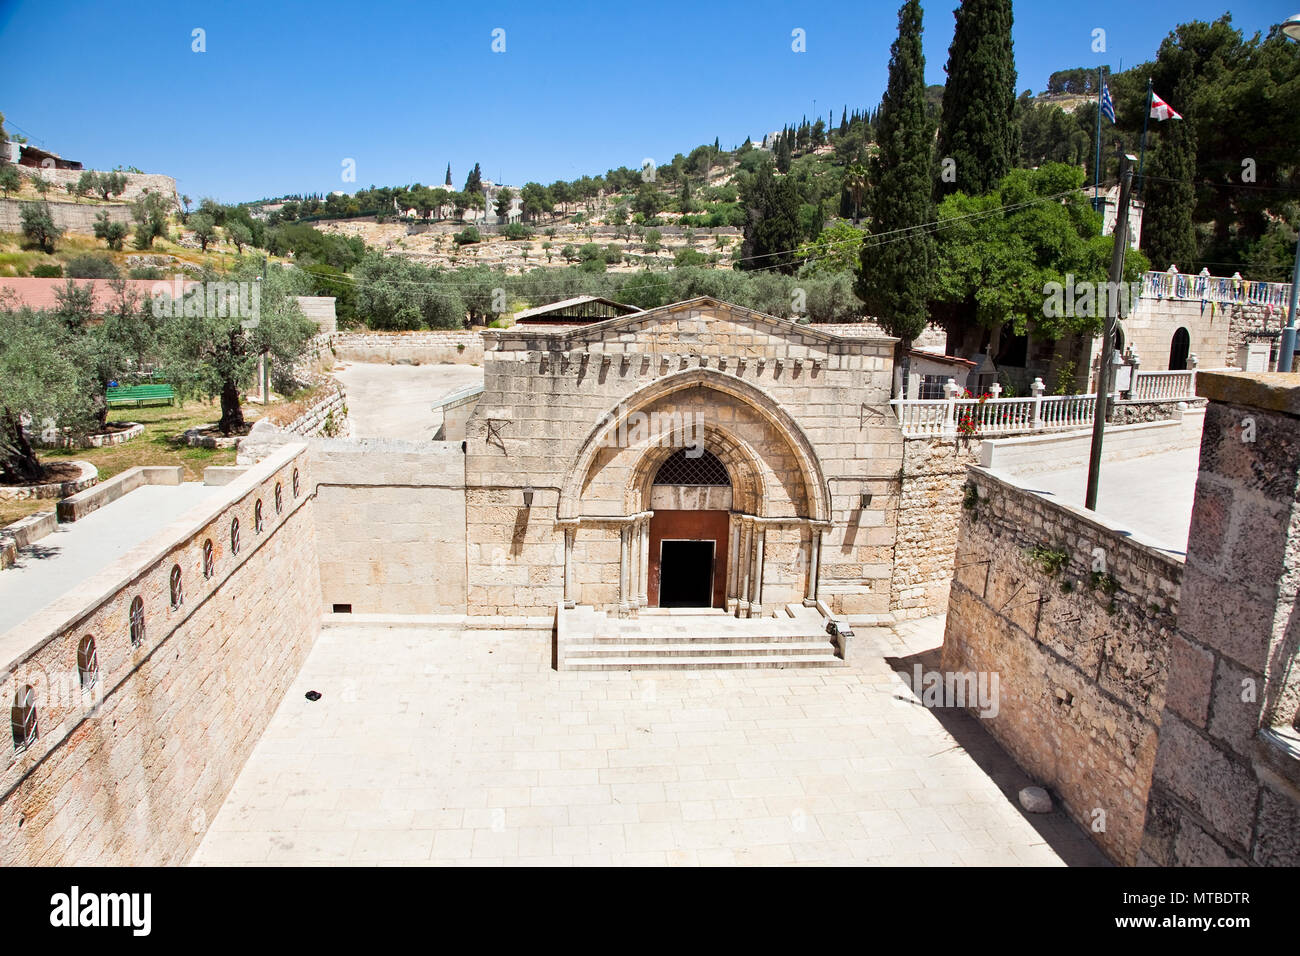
(447, 746)
(395, 401)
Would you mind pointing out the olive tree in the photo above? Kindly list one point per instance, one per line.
(209, 351)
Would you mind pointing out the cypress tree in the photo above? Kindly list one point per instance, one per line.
(894, 278)
(844, 120)
(474, 181)
(977, 128)
(771, 223)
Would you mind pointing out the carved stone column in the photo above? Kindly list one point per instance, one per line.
(756, 588)
(814, 564)
(624, 565)
(643, 563)
(733, 564)
(570, 532)
(744, 560)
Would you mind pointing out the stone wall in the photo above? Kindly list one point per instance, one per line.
(327, 417)
(132, 771)
(769, 384)
(929, 512)
(1080, 653)
(137, 184)
(409, 348)
(391, 525)
(1151, 326)
(1226, 785)
(70, 216)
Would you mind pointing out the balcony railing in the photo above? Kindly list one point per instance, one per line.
(996, 416)
(1230, 289)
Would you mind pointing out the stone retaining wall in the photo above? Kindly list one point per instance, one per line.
(409, 348)
(137, 184)
(70, 216)
(131, 771)
(1081, 655)
(328, 417)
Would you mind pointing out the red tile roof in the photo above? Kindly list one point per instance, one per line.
(40, 293)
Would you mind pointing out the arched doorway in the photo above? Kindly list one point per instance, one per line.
(691, 499)
(1179, 350)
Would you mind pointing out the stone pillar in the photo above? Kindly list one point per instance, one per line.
(733, 562)
(756, 588)
(624, 565)
(1226, 784)
(634, 564)
(570, 533)
(744, 558)
(644, 563)
(814, 564)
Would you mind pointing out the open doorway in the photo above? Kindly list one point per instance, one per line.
(686, 573)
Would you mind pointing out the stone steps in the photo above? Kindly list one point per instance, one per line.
(661, 639)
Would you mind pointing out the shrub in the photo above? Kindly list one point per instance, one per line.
(91, 267)
(467, 237)
(47, 270)
(1047, 559)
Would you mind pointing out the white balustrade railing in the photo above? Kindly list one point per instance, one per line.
(996, 416)
(1233, 289)
(1170, 386)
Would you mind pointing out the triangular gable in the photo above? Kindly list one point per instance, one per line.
(727, 319)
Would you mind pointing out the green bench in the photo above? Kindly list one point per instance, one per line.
(138, 395)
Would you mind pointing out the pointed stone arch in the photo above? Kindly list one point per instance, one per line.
(761, 402)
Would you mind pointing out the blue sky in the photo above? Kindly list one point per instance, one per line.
(286, 91)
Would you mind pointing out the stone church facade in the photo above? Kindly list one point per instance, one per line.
(698, 454)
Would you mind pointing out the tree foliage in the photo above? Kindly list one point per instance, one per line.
(977, 129)
(998, 252)
(896, 263)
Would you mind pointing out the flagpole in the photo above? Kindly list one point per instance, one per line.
(1143, 155)
(1096, 168)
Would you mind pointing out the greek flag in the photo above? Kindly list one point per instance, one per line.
(1107, 104)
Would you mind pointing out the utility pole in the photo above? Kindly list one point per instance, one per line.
(1108, 336)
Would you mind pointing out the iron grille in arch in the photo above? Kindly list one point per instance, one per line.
(681, 469)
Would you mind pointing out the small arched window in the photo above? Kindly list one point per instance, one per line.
(234, 536)
(137, 621)
(279, 497)
(209, 564)
(295, 483)
(22, 718)
(257, 517)
(87, 662)
(177, 590)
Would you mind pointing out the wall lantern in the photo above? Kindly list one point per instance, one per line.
(528, 496)
(866, 500)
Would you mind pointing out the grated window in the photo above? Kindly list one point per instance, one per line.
(137, 621)
(257, 517)
(22, 718)
(234, 536)
(177, 588)
(87, 662)
(208, 561)
(681, 469)
(279, 498)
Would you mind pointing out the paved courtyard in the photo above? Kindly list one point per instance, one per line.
(451, 746)
(394, 401)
